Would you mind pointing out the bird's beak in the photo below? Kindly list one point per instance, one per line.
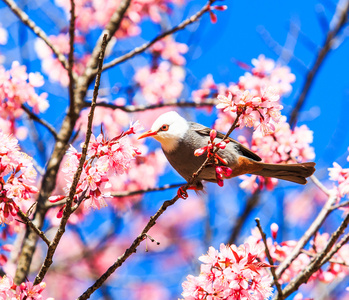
(147, 133)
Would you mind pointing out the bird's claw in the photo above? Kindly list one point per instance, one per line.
(181, 193)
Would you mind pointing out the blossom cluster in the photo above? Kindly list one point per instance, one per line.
(230, 273)
(341, 175)
(17, 87)
(255, 97)
(336, 268)
(221, 170)
(16, 177)
(92, 14)
(26, 290)
(105, 157)
(160, 84)
(285, 145)
(253, 111)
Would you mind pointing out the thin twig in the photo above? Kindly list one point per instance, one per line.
(137, 108)
(138, 192)
(145, 46)
(270, 259)
(342, 15)
(339, 205)
(319, 184)
(333, 261)
(27, 221)
(71, 56)
(37, 30)
(36, 118)
(68, 209)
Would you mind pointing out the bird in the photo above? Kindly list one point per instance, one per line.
(180, 138)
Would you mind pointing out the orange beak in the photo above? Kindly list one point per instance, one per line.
(147, 133)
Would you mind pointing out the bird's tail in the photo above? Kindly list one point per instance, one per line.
(291, 172)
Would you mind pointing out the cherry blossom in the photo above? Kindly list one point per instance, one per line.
(26, 290)
(16, 178)
(17, 88)
(232, 272)
(254, 111)
(106, 157)
(341, 176)
(170, 50)
(161, 84)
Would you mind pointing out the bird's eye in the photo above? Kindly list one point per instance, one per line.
(164, 127)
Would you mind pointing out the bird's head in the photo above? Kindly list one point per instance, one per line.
(168, 129)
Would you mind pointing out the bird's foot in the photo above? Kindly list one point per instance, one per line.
(181, 193)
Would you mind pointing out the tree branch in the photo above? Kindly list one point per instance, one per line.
(27, 221)
(68, 209)
(342, 16)
(36, 118)
(138, 108)
(109, 30)
(71, 55)
(37, 30)
(145, 46)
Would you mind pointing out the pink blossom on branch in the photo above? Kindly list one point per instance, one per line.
(16, 178)
(254, 111)
(230, 273)
(26, 290)
(105, 158)
(341, 176)
(17, 87)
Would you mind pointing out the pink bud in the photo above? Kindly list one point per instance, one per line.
(219, 170)
(213, 134)
(227, 171)
(23, 286)
(200, 151)
(220, 182)
(220, 7)
(213, 17)
(54, 199)
(221, 145)
(274, 230)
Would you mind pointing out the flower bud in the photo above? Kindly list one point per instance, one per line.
(274, 230)
(213, 135)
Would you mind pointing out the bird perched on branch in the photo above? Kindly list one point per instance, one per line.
(179, 140)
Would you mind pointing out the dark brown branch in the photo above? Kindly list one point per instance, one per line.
(27, 221)
(270, 259)
(145, 46)
(68, 209)
(109, 30)
(36, 118)
(137, 108)
(342, 16)
(37, 30)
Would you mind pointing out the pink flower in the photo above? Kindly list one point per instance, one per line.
(233, 272)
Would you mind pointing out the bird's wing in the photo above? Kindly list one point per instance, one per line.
(201, 129)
